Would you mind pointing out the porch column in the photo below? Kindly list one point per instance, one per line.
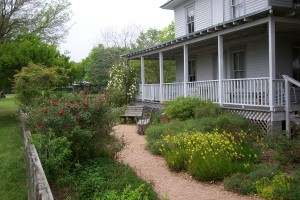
(221, 67)
(143, 76)
(272, 62)
(161, 75)
(185, 69)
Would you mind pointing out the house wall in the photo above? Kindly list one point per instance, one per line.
(207, 10)
(256, 60)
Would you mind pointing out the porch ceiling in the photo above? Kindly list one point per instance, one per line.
(231, 31)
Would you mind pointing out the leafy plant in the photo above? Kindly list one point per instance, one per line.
(104, 178)
(209, 156)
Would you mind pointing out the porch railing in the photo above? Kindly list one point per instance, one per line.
(250, 91)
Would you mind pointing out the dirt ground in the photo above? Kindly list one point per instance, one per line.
(174, 186)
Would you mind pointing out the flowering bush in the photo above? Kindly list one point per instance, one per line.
(122, 84)
(209, 156)
(84, 120)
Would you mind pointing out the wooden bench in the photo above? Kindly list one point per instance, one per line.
(143, 123)
(133, 112)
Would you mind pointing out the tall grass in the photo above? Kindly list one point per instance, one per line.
(13, 183)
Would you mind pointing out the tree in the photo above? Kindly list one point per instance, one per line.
(47, 20)
(150, 38)
(120, 37)
(28, 48)
(99, 62)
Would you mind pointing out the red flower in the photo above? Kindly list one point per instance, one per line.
(54, 103)
(71, 101)
(103, 96)
(77, 106)
(85, 92)
(70, 105)
(42, 124)
(77, 115)
(86, 105)
(68, 127)
(46, 111)
(61, 112)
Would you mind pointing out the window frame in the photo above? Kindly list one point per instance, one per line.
(190, 21)
(240, 70)
(192, 67)
(237, 7)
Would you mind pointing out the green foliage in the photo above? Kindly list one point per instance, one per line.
(105, 178)
(35, 82)
(85, 121)
(55, 153)
(207, 109)
(209, 156)
(127, 194)
(225, 122)
(281, 186)
(182, 108)
(122, 85)
(13, 179)
(244, 183)
(287, 151)
(17, 53)
(99, 62)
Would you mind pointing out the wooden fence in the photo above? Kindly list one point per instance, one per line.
(38, 187)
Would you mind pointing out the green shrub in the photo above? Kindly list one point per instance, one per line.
(127, 194)
(36, 82)
(209, 156)
(286, 150)
(104, 177)
(281, 186)
(207, 109)
(181, 108)
(244, 183)
(225, 122)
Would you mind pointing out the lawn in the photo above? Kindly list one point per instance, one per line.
(13, 180)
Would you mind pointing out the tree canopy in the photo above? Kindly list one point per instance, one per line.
(28, 48)
(47, 20)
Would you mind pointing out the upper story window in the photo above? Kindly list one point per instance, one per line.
(190, 14)
(238, 8)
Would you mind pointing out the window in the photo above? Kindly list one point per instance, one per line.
(238, 8)
(192, 70)
(296, 63)
(239, 64)
(190, 19)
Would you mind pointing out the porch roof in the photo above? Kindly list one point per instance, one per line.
(238, 27)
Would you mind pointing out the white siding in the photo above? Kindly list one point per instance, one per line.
(257, 59)
(179, 69)
(283, 57)
(227, 10)
(281, 3)
(204, 66)
(217, 11)
(203, 14)
(255, 5)
(180, 29)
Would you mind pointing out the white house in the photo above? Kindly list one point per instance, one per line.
(234, 52)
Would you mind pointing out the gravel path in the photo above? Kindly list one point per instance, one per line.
(175, 186)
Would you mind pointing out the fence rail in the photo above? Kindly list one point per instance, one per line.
(38, 187)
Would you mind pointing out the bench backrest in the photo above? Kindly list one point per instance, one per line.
(134, 111)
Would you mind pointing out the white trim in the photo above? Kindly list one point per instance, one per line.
(185, 68)
(221, 67)
(161, 75)
(272, 60)
(143, 75)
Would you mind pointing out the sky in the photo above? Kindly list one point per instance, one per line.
(93, 16)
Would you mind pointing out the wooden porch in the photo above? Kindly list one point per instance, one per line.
(252, 92)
